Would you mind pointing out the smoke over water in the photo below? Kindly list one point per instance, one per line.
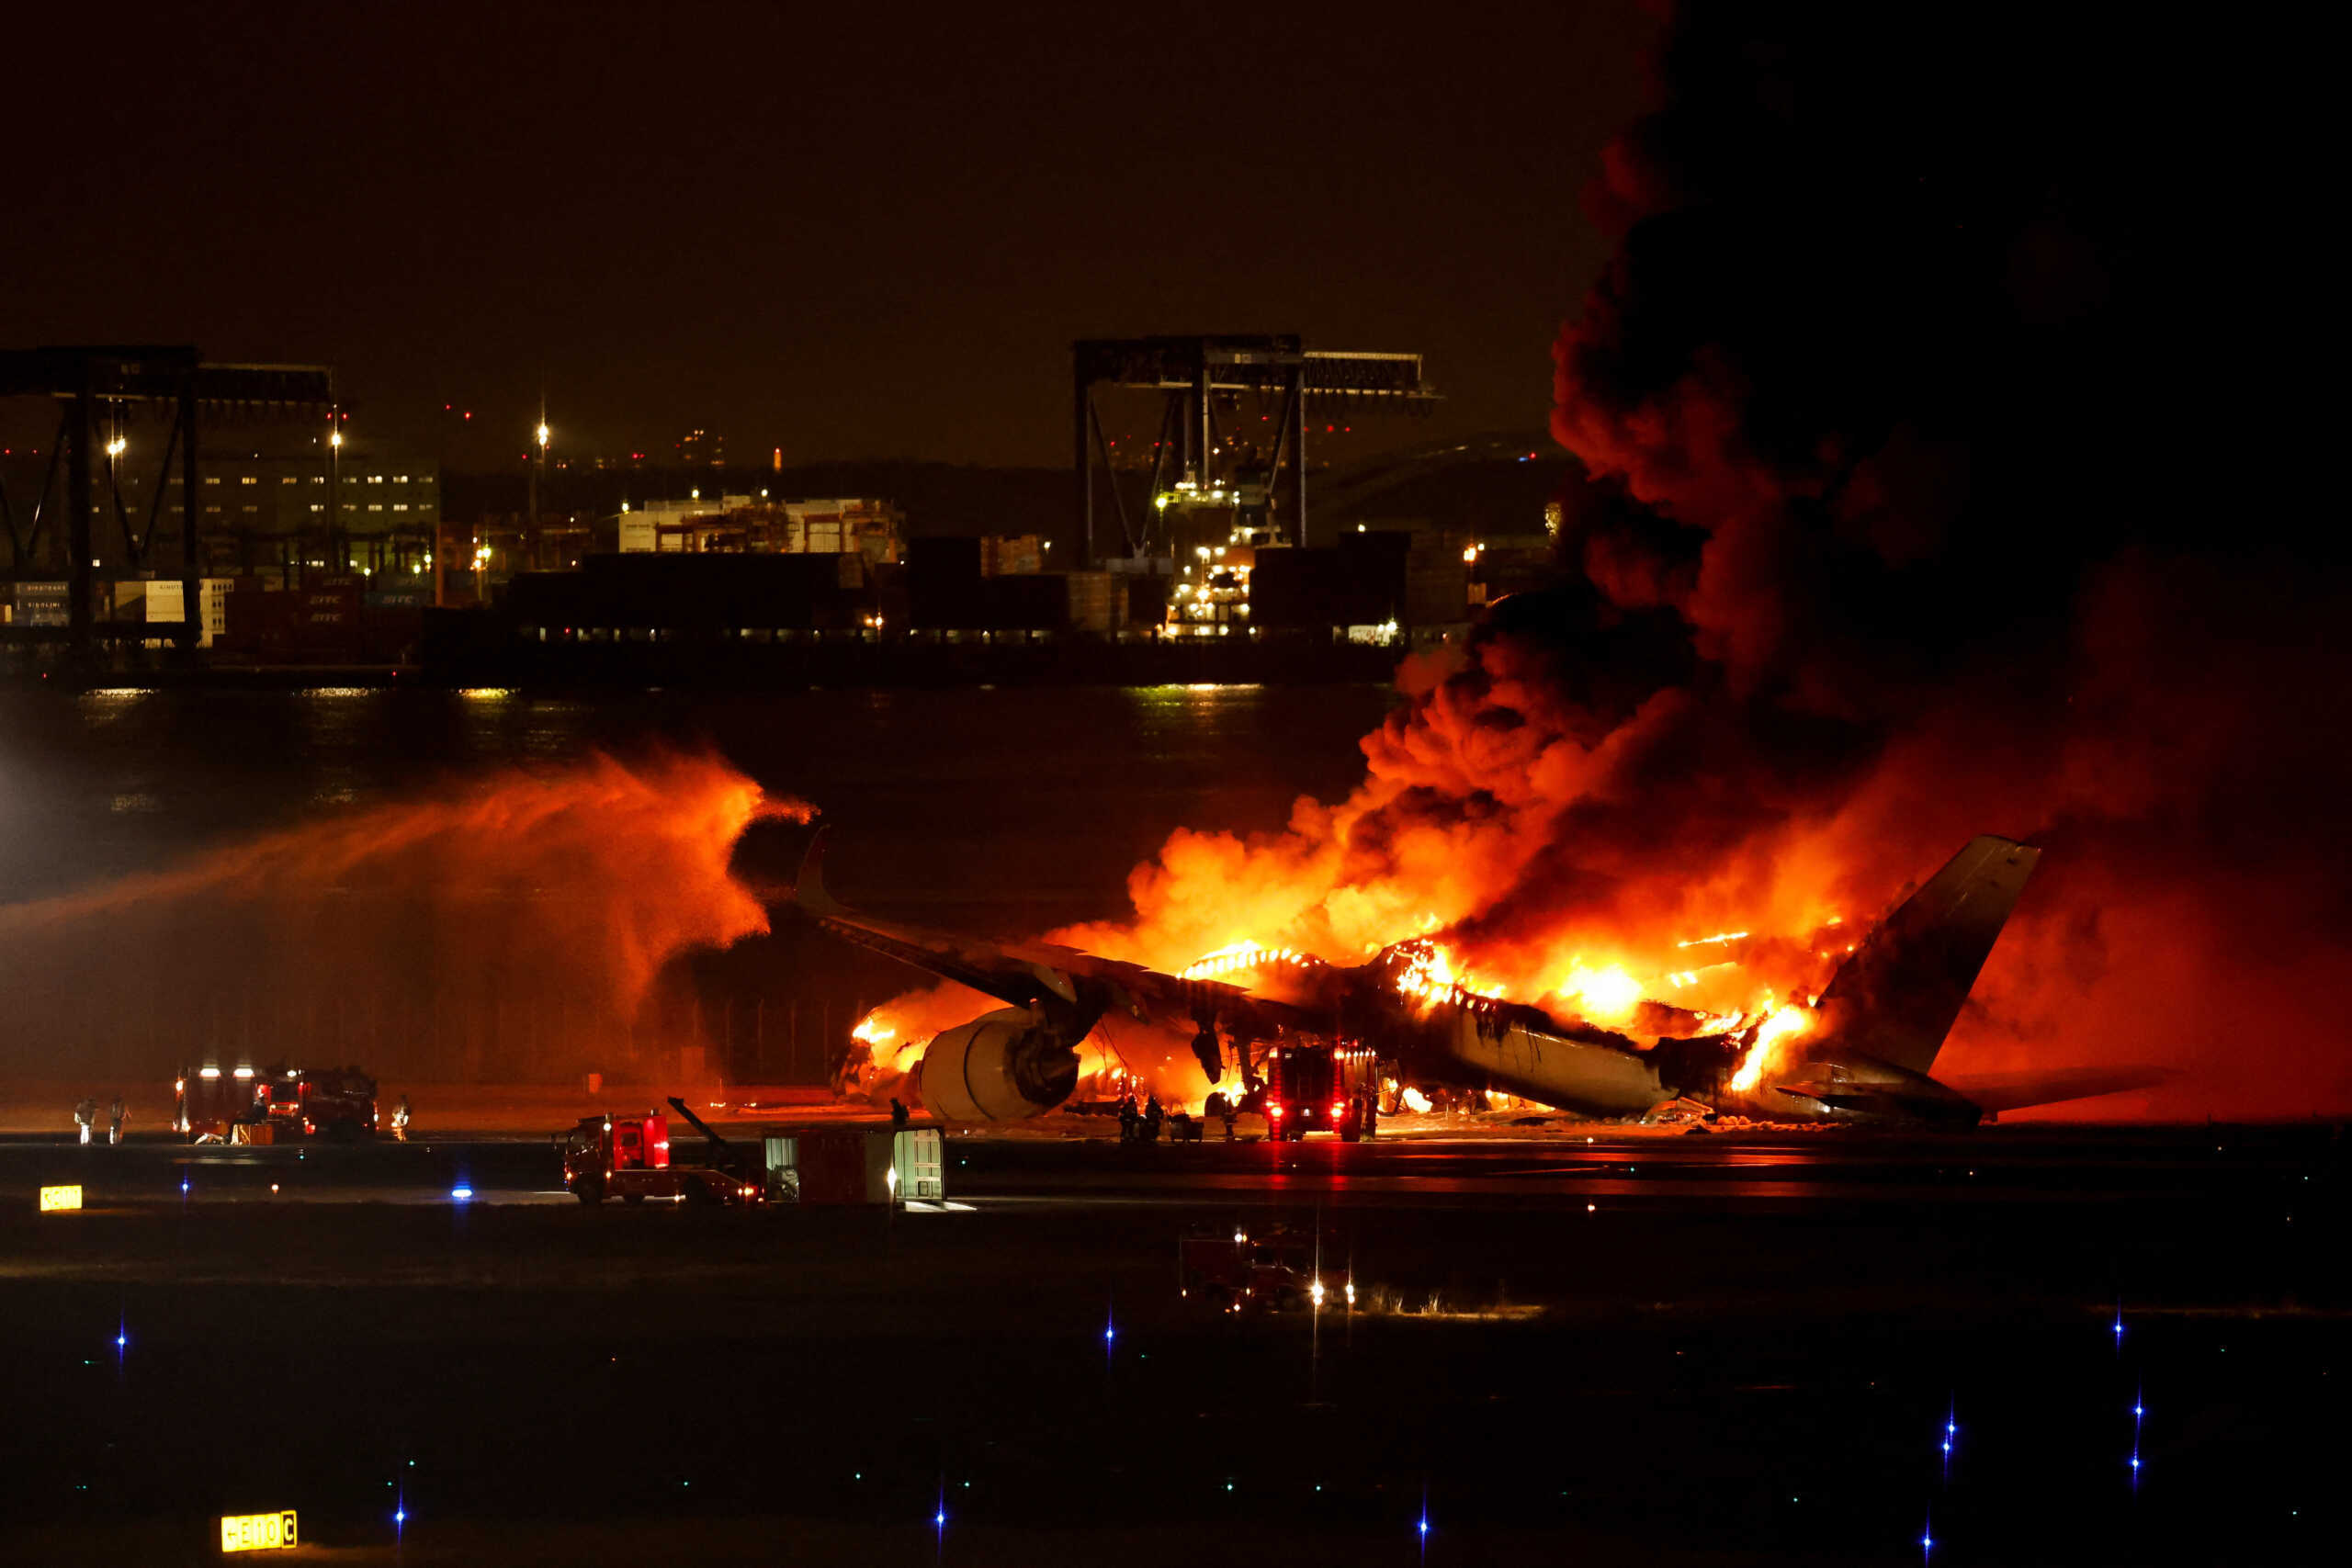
(513, 929)
(1902, 522)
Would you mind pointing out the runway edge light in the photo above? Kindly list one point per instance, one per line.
(54, 1199)
(259, 1532)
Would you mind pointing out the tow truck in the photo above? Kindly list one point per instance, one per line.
(1314, 1087)
(628, 1157)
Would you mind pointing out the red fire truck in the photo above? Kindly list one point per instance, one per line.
(1268, 1270)
(1316, 1088)
(330, 1102)
(213, 1102)
(628, 1157)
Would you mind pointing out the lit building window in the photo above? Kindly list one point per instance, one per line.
(376, 506)
(249, 480)
(318, 478)
(288, 479)
(400, 506)
(212, 479)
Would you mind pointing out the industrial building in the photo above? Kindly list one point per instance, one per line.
(282, 518)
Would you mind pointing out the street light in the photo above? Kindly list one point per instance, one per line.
(335, 478)
(538, 470)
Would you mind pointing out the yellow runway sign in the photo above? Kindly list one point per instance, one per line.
(55, 1198)
(257, 1532)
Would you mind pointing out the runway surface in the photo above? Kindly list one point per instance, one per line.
(1645, 1348)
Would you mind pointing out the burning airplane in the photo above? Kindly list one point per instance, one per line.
(1861, 1051)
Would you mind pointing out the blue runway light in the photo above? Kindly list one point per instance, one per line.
(939, 1518)
(121, 1340)
(461, 1194)
(400, 1515)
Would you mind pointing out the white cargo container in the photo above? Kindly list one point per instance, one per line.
(864, 1163)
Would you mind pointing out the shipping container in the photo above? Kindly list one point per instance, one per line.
(153, 602)
(943, 584)
(919, 1155)
(1437, 588)
(691, 594)
(43, 604)
(845, 1165)
(1012, 555)
(1098, 601)
(1039, 603)
(862, 1164)
(1359, 582)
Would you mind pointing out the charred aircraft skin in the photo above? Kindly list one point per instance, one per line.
(1886, 1013)
(1472, 1042)
(1858, 1090)
(1880, 1022)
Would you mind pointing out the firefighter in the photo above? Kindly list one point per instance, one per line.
(1152, 1118)
(400, 1120)
(1225, 1114)
(1127, 1119)
(114, 1121)
(86, 1113)
(898, 1112)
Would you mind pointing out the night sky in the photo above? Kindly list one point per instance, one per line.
(848, 231)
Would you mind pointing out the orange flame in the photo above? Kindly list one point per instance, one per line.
(1766, 1051)
(1603, 995)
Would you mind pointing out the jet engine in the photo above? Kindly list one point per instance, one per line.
(1003, 1067)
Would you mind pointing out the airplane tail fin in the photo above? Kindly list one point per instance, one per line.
(1897, 997)
(809, 891)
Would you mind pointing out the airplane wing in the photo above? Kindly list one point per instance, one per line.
(2018, 1091)
(1033, 974)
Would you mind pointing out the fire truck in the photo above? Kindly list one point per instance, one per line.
(235, 1102)
(1271, 1270)
(1313, 1087)
(628, 1157)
